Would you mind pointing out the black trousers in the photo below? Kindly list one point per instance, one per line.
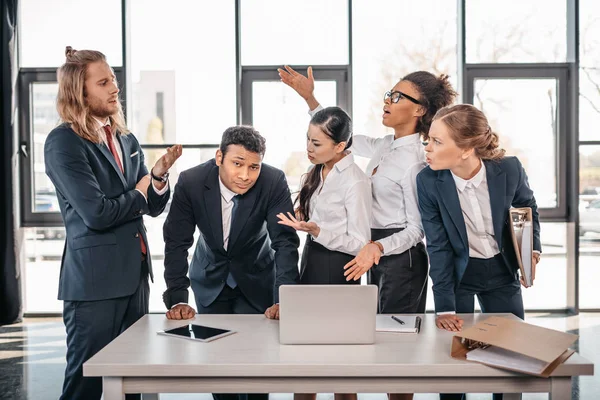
(321, 266)
(401, 278)
(90, 326)
(232, 301)
(497, 290)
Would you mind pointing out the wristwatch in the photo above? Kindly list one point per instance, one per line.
(164, 178)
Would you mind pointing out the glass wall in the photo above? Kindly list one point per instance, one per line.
(183, 78)
(45, 33)
(589, 153)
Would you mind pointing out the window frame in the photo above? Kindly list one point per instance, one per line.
(559, 72)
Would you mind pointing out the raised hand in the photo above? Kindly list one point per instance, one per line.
(303, 85)
(167, 160)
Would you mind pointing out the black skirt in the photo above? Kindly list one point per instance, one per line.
(401, 278)
(321, 266)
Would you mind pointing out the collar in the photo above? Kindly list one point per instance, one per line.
(406, 140)
(226, 194)
(461, 183)
(344, 163)
(102, 124)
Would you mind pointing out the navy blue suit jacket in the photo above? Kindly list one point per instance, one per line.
(261, 254)
(444, 224)
(102, 213)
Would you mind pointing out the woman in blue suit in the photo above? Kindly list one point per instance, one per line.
(464, 197)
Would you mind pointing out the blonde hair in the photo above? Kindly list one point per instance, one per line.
(469, 128)
(70, 102)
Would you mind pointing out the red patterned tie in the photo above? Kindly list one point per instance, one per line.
(113, 150)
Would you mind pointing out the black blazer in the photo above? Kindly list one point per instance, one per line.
(102, 213)
(261, 254)
(444, 225)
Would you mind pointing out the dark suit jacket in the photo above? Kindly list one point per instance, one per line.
(444, 225)
(261, 254)
(102, 213)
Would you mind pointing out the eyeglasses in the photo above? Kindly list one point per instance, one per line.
(395, 97)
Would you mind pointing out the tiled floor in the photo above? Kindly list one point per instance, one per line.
(32, 360)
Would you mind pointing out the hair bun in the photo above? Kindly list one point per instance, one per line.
(70, 52)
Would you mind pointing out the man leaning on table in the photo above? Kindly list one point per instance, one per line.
(243, 254)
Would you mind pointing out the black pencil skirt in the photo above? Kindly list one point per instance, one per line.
(321, 266)
(401, 278)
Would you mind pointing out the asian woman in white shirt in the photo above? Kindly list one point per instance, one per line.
(334, 202)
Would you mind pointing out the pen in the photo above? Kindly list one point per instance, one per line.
(398, 320)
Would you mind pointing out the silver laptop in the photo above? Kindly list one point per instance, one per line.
(327, 314)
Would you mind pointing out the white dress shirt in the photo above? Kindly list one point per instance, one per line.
(226, 209)
(117, 144)
(341, 207)
(476, 208)
(394, 186)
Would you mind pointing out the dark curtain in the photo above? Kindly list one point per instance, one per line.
(10, 285)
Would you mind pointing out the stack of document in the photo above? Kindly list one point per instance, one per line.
(514, 345)
(503, 358)
(398, 323)
(522, 235)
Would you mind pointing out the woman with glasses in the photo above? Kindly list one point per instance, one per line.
(395, 259)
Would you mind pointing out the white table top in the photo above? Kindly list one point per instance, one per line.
(254, 351)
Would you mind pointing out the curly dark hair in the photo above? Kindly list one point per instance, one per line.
(436, 92)
(245, 136)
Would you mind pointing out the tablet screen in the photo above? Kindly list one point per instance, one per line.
(193, 331)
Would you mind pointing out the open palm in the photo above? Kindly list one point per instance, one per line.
(303, 85)
(303, 226)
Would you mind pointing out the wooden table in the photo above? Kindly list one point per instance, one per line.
(253, 361)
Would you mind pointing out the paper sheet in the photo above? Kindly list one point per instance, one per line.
(506, 359)
(384, 323)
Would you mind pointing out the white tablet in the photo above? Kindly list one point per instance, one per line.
(199, 333)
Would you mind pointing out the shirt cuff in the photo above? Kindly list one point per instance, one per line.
(316, 110)
(161, 191)
(537, 251)
(446, 312)
(143, 195)
(324, 238)
(385, 242)
(178, 304)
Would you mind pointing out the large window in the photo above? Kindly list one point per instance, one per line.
(194, 68)
(516, 31)
(47, 27)
(390, 39)
(589, 152)
(182, 71)
(524, 114)
(311, 32)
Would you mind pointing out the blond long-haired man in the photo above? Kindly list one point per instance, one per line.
(104, 189)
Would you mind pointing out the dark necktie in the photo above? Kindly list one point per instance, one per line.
(235, 200)
(113, 150)
(230, 279)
